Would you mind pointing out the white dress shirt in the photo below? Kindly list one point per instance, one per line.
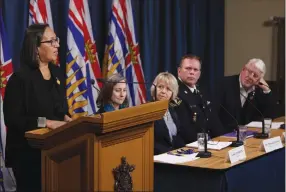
(191, 88)
(172, 128)
(245, 93)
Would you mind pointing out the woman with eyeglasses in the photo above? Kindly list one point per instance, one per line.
(166, 130)
(113, 95)
(34, 98)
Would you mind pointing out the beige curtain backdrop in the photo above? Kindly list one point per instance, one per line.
(246, 37)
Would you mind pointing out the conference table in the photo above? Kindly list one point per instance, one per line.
(259, 172)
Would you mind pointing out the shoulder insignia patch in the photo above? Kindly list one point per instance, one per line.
(175, 102)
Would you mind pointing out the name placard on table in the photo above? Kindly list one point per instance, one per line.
(271, 144)
(236, 154)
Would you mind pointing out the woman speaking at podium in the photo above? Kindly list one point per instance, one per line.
(34, 98)
(113, 95)
(167, 130)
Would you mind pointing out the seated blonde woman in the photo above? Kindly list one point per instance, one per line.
(113, 95)
(167, 130)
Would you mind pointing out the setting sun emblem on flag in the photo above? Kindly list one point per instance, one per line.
(122, 53)
(82, 62)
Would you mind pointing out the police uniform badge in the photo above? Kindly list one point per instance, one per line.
(194, 117)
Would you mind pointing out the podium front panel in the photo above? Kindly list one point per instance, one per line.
(68, 167)
(136, 145)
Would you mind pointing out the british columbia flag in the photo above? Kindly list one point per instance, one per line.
(7, 180)
(122, 51)
(40, 12)
(82, 67)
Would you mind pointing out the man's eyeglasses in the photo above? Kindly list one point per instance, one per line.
(254, 74)
(53, 42)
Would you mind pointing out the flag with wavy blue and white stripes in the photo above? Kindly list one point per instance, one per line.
(40, 12)
(82, 67)
(122, 53)
(7, 180)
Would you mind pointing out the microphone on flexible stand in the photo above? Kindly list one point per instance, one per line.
(261, 135)
(205, 153)
(236, 143)
(103, 80)
(92, 81)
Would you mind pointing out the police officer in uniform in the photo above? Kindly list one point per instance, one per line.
(195, 111)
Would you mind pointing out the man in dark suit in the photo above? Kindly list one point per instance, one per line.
(248, 84)
(195, 111)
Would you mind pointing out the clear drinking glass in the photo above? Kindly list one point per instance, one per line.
(201, 144)
(242, 133)
(267, 125)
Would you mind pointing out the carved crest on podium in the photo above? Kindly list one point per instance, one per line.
(122, 176)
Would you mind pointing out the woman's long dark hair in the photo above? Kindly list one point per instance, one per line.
(106, 92)
(32, 40)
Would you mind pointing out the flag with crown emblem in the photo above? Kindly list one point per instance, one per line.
(82, 68)
(122, 51)
(7, 180)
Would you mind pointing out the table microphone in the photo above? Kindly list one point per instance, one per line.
(205, 153)
(261, 135)
(236, 143)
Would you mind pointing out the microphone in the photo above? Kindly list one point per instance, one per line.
(106, 80)
(236, 143)
(261, 135)
(205, 153)
(92, 81)
(103, 80)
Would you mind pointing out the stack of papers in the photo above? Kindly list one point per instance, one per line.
(258, 124)
(174, 159)
(215, 145)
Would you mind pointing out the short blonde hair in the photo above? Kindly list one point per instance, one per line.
(259, 64)
(170, 80)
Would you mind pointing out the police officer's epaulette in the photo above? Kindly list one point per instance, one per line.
(175, 102)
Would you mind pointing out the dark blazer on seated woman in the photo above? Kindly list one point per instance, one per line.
(162, 139)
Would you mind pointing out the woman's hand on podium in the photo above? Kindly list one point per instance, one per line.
(67, 118)
(52, 124)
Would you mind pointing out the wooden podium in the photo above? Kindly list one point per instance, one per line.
(107, 152)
